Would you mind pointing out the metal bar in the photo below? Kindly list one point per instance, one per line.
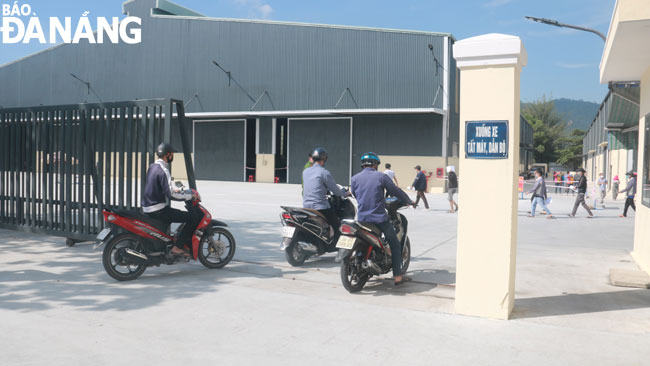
(120, 135)
(189, 166)
(129, 157)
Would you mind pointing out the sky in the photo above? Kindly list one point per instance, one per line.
(562, 63)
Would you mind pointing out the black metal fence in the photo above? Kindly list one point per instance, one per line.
(60, 165)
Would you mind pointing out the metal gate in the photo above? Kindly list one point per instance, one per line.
(60, 165)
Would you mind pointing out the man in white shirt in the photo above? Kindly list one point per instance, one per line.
(391, 174)
(602, 185)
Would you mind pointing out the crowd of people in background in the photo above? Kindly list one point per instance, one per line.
(574, 183)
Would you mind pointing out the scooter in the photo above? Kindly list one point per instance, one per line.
(368, 251)
(134, 241)
(307, 233)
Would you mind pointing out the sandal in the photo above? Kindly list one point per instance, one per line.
(404, 280)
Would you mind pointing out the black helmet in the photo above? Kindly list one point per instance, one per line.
(318, 154)
(164, 149)
(369, 159)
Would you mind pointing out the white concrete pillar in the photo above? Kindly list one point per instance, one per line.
(487, 220)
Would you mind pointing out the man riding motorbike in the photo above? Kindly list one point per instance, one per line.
(368, 187)
(317, 182)
(159, 190)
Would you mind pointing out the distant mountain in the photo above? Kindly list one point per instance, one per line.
(578, 113)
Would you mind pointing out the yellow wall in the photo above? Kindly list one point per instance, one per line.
(641, 251)
(487, 243)
(265, 168)
(405, 174)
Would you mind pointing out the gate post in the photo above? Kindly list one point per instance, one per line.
(489, 161)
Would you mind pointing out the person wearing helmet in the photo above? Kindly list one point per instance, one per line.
(368, 187)
(630, 189)
(159, 190)
(317, 181)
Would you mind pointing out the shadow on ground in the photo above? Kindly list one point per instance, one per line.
(571, 304)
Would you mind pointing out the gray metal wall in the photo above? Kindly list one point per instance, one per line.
(302, 67)
(332, 134)
(219, 150)
(407, 134)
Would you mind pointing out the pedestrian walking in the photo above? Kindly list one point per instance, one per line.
(582, 190)
(602, 186)
(452, 188)
(539, 195)
(391, 174)
(615, 186)
(420, 186)
(570, 180)
(630, 191)
(557, 180)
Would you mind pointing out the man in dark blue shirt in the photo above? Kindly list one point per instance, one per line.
(420, 186)
(368, 187)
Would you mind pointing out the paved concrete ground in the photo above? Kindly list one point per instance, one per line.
(58, 307)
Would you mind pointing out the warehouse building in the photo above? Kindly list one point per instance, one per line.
(261, 94)
(611, 143)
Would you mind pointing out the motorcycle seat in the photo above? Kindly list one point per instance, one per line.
(316, 212)
(160, 225)
(368, 226)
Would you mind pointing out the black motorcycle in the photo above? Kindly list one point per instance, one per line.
(369, 251)
(307, 233)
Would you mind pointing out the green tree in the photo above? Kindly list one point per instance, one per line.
(548, 127)
(570, 151)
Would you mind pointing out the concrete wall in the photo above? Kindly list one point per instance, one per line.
(403, 168)
(641, 251)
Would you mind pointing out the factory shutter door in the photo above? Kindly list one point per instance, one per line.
(331, 133)
(219, 149)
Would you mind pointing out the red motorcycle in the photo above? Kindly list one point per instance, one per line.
(135, 241)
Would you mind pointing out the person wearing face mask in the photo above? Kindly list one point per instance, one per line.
(159, 191)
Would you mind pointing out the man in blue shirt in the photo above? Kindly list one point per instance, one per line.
(368, 187)
(317, 182)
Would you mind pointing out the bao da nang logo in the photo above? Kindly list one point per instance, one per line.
(19, 24)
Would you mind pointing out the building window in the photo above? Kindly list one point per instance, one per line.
(645, 174)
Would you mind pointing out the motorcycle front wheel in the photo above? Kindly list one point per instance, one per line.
(352, 280)
(406, 255)
(113, 260)
(216, 250)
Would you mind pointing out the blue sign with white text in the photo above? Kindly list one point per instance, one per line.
(486, 139)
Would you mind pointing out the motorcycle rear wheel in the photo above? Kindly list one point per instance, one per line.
(352, 282)
(217, 251)
(294, 254)
(111, 258)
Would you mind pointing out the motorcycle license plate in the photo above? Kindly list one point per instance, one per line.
(287, 231)
(103, 234)
(346, 242)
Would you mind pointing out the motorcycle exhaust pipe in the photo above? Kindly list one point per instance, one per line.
(134, 257)
(371, 267)
(308, 247)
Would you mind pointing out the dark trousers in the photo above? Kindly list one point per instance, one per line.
(580, 200)
(424, 199)
(629, 202)
(386, 227)
(191, 220)
(333, 220)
